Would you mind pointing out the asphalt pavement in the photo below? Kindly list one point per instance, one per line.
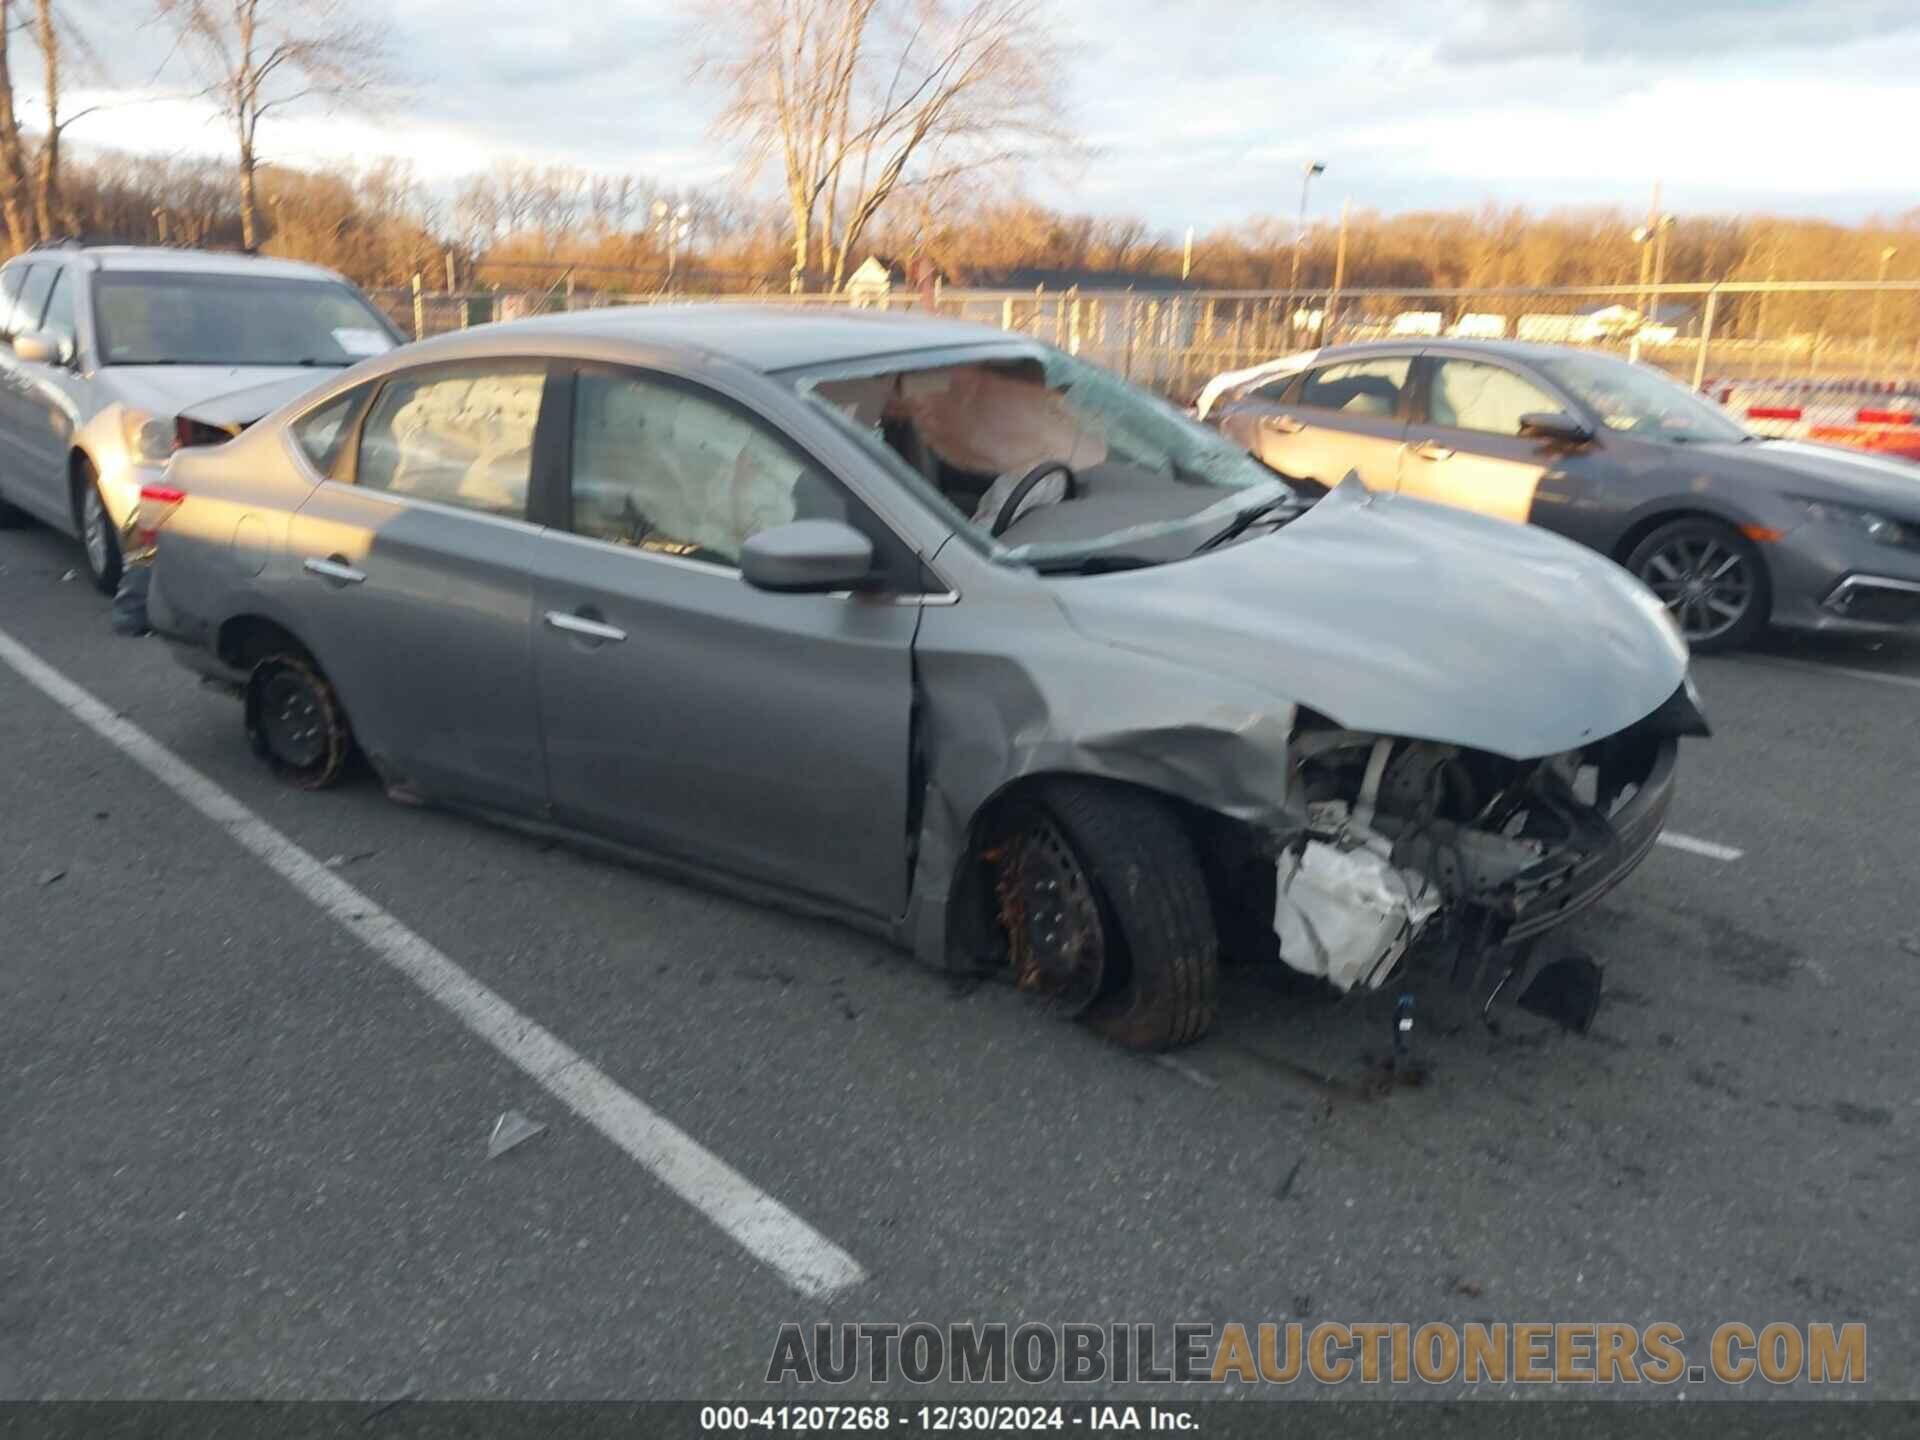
(244, 1153)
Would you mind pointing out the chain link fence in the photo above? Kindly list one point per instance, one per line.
(1173, 341)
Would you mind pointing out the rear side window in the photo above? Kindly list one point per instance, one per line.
(457, 435)
(10, 286)
(319, 433)
(1358, 387)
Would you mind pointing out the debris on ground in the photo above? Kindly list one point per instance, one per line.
(47, 877)
(1469, 1288)
(70, 575)
(510, 1130)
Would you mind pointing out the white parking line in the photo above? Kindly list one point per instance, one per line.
(1713, 850)
(805, 1259)
(1909, 682)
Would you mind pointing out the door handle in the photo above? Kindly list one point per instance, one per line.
(1427, 450)
(336, 569)
(584, 626)
(1285, 424)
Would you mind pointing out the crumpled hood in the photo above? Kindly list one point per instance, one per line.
(1829, 472)
(1389, 614)
(217, 394)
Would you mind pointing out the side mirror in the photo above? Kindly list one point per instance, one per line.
(807, 557)
(36, 347)
(1554, 425)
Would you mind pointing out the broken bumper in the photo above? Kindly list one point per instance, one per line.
(1636, 825)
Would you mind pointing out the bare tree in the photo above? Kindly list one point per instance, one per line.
(15, 203)
(861, 98)
(257, 57)
(52, 32)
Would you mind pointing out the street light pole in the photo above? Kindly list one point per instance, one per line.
(1307, 172)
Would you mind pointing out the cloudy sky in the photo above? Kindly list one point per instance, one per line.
(1201, 112)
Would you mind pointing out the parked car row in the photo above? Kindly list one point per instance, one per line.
(116, 356)
(932, 628)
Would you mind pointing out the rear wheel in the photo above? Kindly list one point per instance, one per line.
(1711, 579)
(1107, 915)
(97, 535)
(295, 723)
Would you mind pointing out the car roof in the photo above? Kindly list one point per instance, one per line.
(757, 337)
(150, 258)
(1521, 350)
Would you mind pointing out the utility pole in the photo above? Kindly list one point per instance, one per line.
(1339, 277)
(1873, 324)
(1643, 238)
(1307, 172)
(1186, 256)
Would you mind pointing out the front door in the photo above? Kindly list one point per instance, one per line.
(411, 581)
(688, 713)
(1464, 447)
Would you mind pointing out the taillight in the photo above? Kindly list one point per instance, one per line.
(157, 504)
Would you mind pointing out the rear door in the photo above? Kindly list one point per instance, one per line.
(1342, 416)
(688, 713)
(1464, 446)
(411, 580)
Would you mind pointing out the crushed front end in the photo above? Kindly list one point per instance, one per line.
(1420, 853)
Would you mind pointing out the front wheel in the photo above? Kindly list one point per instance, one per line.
(1711, 579)
(1107, 915)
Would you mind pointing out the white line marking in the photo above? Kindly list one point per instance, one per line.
(1674, 840)
(806, 1259)
(1910, 682)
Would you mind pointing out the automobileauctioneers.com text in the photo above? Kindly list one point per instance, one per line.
(1329, 1353)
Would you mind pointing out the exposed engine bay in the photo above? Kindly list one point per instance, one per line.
(1442, 851)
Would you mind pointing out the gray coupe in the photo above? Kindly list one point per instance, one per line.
(937, 630)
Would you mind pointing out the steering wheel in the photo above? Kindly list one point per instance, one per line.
(1017, 496)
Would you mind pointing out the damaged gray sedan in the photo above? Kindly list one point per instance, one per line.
(941, 632)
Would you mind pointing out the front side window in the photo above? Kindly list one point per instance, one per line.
(667, 468)
(33, 298)
(1358, 387)
(190, 318)
(57, 323)
(1489, 398)
(10, 286)
(457, 435)
(319, 433)
(1641, 402)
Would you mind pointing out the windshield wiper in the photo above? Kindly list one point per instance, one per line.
(316, 360)
(1245, 521)
(1091, 564)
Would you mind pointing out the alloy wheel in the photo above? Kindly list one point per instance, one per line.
(1707, 586)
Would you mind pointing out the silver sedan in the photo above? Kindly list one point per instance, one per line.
(940, 631)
